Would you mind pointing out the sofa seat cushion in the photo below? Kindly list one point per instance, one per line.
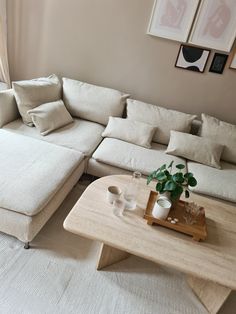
(32, 172)
(131, 157)
(214, 182)
(83, 136)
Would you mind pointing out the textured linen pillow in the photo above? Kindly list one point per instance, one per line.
(50, 116)
(164, 119)
(91, 102)
(195, 148)
(134, 132)
(221, 132)
(8, 107)
(33, 93)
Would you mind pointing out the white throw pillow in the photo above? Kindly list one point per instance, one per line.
(50, 116)
(33, 93)
(221, 132)
(91, 102)
(195, 148)
(162, 118)
(8, 107)
(134, 132)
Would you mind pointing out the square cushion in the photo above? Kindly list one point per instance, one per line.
(8, 107)
(195, 148)
(83, 136)
(50, 116)
(91, 102)
(163, 119)
(33, 93)
(26, 164)
(213, 182)
(221, 132)
(135, 132)
(131, 157)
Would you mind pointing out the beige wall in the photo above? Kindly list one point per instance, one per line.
(104, 42)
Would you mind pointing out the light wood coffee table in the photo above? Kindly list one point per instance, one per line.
(210, 265)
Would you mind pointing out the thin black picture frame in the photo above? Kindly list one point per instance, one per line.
(203, 49)
(218, 63)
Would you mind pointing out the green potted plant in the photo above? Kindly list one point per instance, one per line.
(172, 184)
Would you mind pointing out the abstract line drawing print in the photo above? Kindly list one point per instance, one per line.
(215, 25)
(172, 19)
(173, 14)
(218, 20)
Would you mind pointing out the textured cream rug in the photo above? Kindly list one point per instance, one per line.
(58, 276)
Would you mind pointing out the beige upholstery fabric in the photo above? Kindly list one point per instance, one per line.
(24, 227)
(8, 107)
(50, 116)
(91, 102)
(99, 169)
(214, 182)
(135, 132)
(33, 93)
(132, 157)
(3, 86)
(164, 119)
(83, 136)
(221, 132)
(25, 166)
(195, 148)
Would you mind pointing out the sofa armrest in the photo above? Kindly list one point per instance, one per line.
(8, 107)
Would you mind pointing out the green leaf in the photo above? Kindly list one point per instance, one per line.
(158, 187)
(178, 177)
(171, 164)
(192, 181)
(163, 167)
(169, 186)
(161, 176)
(180, 166)
(149, 179)
(186, 193)
(188, 175)
(175, 194)
(166, 172)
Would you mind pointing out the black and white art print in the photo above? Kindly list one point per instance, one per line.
(192, 58)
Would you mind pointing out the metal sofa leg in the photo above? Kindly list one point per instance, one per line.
(27, 245)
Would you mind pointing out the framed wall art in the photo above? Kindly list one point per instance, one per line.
(192, 58)
(172, 19)
(218, 63)
(233, 62)
(215, 25)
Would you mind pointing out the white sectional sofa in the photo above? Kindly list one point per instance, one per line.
(30, 193)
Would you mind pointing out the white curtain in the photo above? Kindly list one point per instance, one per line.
(4, 67)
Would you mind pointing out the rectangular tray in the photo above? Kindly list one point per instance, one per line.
(197, 230)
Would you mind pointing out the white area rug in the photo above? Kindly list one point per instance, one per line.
(58, 276)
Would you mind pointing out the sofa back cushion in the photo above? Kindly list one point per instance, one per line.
(163, 119)
(33, 93)
(135, 132)
(91, 102)
(192, 147)
(50, 116)
(8, 107)
(221, 132)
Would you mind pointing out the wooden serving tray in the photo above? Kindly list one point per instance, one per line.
(197, 230)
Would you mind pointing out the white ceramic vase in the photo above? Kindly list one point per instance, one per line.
(161, 208)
